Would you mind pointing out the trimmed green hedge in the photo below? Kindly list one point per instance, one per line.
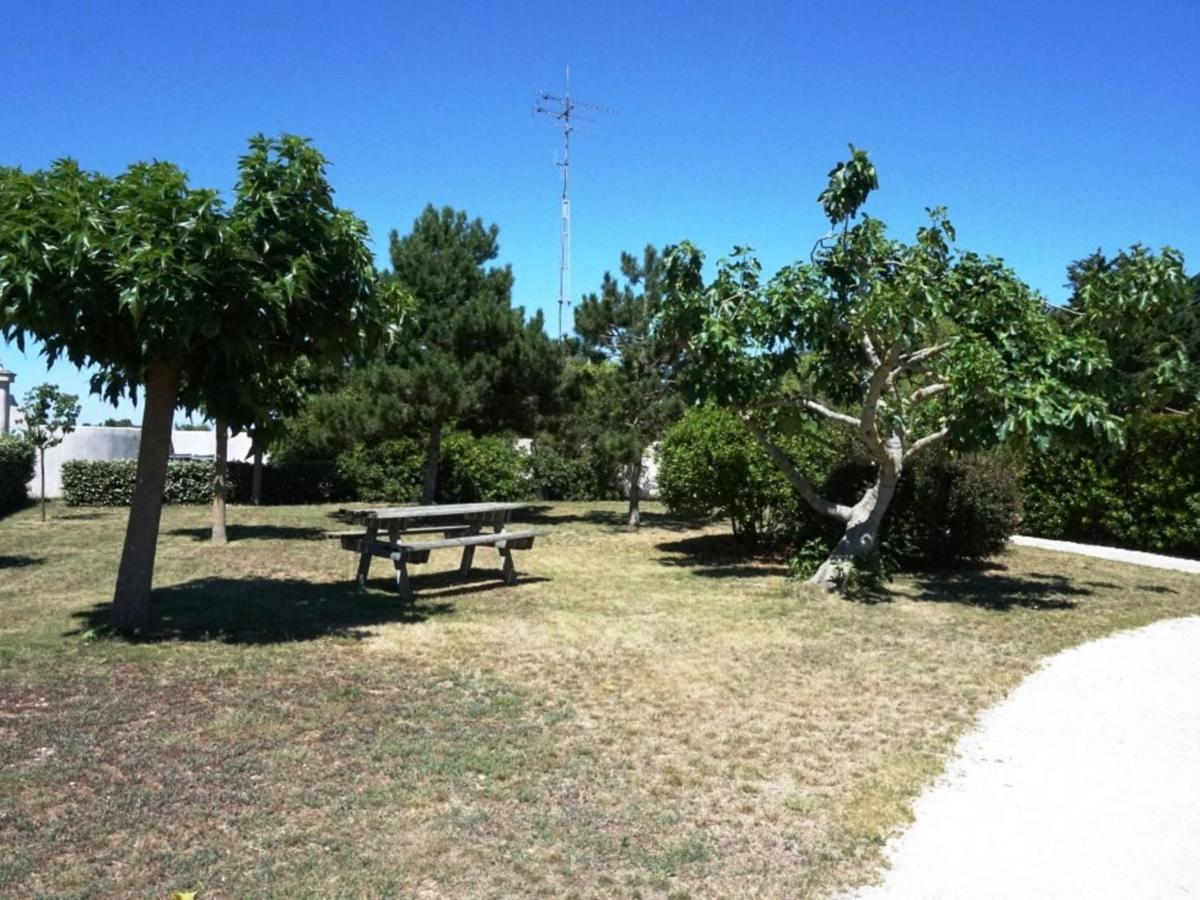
(1143, 497)
(16, 468)
(487, 468)
(109, 482)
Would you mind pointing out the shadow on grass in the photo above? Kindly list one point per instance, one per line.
(606, 518)
(253, 533)
(990, 586)
(721, 556)
(19, 562)
(269, 611)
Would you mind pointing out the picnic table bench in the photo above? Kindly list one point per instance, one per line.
(461, 526)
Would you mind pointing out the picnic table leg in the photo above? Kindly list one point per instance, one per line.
(468, 556)
(509, 570)
(364, 559)
(403, 585)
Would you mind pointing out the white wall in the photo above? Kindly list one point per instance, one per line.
(98, 442)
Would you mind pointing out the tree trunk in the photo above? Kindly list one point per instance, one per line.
(130, 611)
(256, 477)
(433, 453)
(220, 484)
(635, 493)
(861, 537)
(42, 468)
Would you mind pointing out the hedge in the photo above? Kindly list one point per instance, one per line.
(472, 469)
(16, 468)
(109, 482)
(1145, 496)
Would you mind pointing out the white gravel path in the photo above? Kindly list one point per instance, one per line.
(1137, 557)
(1083, 783)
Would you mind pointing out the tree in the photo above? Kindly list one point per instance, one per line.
(1144, 309)
(169, 293)
(467, 357)
(634, 397)
(901, 346)
(50, 416)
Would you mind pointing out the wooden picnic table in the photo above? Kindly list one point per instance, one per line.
(461, 524)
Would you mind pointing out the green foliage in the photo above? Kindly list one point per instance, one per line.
(100, 482)
(16, 468)
(709, 465)
(467, 356)
(476, 469)
(189, 482)
(473, 469)
(898, 347)
(946, 510)
(290, 482)
(807, 558)
(629, 396)
(50, 415)
(951, 509)
(561, 471)
(387, 472)
(1145, 496)
(1146, 312)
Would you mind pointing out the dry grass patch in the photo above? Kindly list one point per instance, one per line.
(646, 714)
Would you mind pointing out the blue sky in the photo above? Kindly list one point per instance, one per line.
(1049, 129)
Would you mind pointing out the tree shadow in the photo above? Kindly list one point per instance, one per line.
(616, 520)
(19, 562)
(721, 556)
(268, 611)
(253, 533)
(442, 585)
(992, 586)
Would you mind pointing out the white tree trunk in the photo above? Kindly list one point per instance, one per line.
(861, 537)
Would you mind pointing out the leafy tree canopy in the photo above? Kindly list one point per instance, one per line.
(1144, 309)
(164, 288)
(901, 345)
(632, 393)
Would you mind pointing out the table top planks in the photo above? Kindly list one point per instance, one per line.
(384, 513)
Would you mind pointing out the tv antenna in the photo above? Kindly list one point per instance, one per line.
(565, 111)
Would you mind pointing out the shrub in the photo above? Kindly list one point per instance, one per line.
(946, 509)
(1145, 496)
(953, 509)
(475, 469)
(292, 481)
(564, 473)
(388, 472)
(16, 468)
(710, 465)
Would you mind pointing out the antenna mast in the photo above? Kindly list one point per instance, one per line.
(564, 110)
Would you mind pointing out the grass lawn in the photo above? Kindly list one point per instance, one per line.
(645, 714)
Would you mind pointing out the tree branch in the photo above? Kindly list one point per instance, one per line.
(880, 380)
(831, 414)
(912, 362)
(802, 485)
(927, 441)
(928, 391)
